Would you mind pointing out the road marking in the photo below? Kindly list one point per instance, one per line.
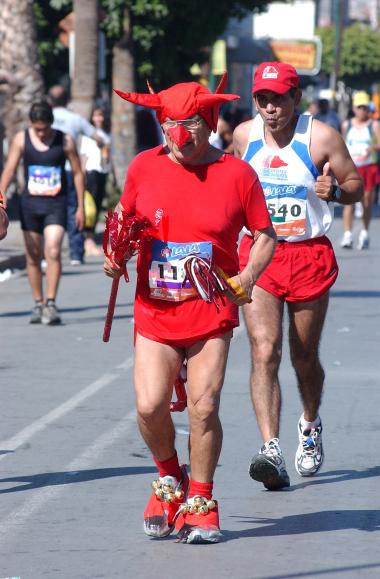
(38, 425)
(14, 521)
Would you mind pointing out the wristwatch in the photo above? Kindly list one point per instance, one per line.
(336, 193)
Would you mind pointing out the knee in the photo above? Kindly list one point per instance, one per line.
(53, 253)
(306, 363)
(33, 257)
(265, 351)
(203, 410)
(149, 411)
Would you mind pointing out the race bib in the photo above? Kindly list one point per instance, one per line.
(287, 208)
(44, 180)
(167, 277)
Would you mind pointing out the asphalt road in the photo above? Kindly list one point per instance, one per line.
(75, 475)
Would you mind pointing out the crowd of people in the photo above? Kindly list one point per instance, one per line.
(277, 177)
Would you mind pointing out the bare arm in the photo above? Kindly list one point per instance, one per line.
(240, 138)
(4, 221)
(98, 139)
(79, 181)
(15, 153)
(375, 147)
(332, 159)
(259, 258)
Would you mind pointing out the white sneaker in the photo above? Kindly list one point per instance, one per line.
(309, 455)
(268, 466)
(363, 240)
(347, 240)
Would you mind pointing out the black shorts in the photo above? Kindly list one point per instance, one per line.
(36, 212)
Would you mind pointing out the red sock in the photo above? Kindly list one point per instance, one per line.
(169, 467)
(203, 489)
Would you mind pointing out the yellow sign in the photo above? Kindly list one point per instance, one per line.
(304, 55)
(218, 58)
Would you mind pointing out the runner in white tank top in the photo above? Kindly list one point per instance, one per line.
(288, 178)
(297, 160)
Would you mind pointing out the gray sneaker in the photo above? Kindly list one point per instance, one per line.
(268, 466)
(50, 315)
(36, 314)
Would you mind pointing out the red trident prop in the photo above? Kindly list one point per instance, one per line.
(123, 234)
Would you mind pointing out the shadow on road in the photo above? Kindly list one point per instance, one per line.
(337, 476)
(354, 294)
(318, 522)
(339, 570)
(36, 481)
(103, 307)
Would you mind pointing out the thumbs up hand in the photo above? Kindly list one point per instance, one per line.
(324, 183)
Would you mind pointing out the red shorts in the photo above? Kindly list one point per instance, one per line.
(183, 343)
(370, 175)
(299, 272)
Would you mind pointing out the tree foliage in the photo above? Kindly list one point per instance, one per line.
(168, 35)
(360, 54)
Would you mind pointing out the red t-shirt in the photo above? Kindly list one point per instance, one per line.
(200, 209)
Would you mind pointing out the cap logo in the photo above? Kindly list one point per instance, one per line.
(270, 72)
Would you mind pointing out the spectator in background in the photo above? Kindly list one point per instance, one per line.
(97, 165)
(362, 135)
(43, 203)
(327, 115)
(74, 125)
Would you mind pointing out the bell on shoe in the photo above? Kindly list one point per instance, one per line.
(198, 521)
(164, 503)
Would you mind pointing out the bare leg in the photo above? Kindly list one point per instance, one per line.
(348, 217)
(53, 235)
(206, 367)
(154, 385)
(34, 253)
(305, 329)
(263, 318)
(367, 203)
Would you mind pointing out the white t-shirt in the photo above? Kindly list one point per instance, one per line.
(72, 124)
(97, 159)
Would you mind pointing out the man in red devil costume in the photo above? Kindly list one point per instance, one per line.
(198, 198)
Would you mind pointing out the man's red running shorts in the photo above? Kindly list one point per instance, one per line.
(299, 272)
(370, 175)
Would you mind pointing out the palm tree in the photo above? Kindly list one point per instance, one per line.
(19, 61)
(123, 112)
(84, 83)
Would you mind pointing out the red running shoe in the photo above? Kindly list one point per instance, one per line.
(198, 521)
(168, 495)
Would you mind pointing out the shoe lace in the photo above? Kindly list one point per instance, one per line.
(311, 441)
(271, 448)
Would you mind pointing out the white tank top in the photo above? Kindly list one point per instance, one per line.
(358, 139)
(288, 177)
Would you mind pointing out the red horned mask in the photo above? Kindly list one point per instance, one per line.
(183, 101)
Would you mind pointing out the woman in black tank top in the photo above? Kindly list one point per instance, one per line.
(44, 170)
(43, 203)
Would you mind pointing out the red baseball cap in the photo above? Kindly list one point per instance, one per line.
(278, 77)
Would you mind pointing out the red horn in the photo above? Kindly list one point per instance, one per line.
(222, 83)
(149, 87)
